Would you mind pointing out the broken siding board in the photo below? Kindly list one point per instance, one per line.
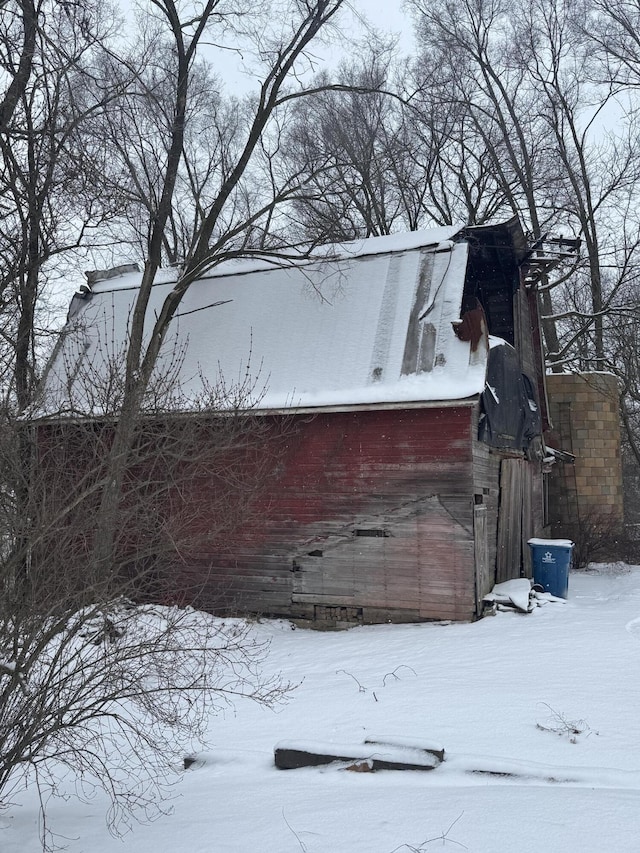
(505, 554)
(537, 497)
(438, 600)
(523, 338)
(483, 577)
(428, 608)
(528, 521)
(486, 465)
(386, 578)
(378, 568)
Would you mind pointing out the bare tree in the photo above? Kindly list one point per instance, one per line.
(397, 152)
(471, 50)
(20, 25)
(612, 30)
(94, 500)
(525, 84)
(218, 234)
(354, 137)
(45, 211)
(599, 169)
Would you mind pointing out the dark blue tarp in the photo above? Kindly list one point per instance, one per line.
(510, 415)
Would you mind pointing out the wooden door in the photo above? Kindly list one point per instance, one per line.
(515, 520)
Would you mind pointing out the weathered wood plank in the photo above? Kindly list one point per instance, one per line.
(378, 756)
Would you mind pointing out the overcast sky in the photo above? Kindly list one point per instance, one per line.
(387, 15)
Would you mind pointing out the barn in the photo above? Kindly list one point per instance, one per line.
(408, 370)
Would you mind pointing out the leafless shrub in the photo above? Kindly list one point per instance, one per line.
(559, 724)
(87, 669)
(97, 663)
(117, 680)
(600, 538)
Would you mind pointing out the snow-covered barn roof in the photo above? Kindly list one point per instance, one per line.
(366, 323)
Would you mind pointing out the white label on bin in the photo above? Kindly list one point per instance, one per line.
(548, 557)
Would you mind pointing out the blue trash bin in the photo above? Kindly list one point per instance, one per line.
(551, 560)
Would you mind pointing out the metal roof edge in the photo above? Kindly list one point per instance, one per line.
(369, 407)
(465, 402)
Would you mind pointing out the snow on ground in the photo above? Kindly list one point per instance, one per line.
(552, 697)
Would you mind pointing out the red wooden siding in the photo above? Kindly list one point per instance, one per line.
(369, 517)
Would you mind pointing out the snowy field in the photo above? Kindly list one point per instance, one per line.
(539, 715)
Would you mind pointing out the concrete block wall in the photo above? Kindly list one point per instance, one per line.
(584, 413)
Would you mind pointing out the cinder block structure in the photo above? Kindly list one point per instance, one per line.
(583, 408)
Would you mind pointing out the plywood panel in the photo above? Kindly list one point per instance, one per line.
(484, 577)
